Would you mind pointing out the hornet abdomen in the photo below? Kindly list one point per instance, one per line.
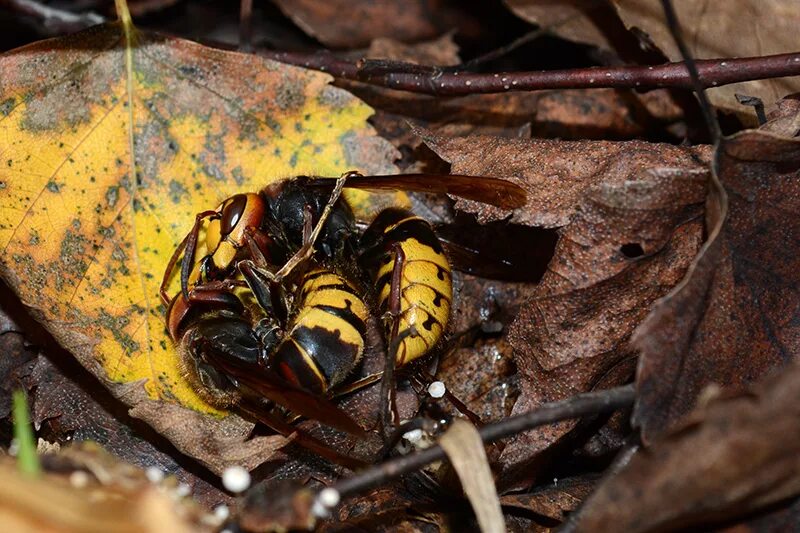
(325, 335)
(425, 285)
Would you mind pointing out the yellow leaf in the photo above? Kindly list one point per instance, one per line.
(108, 151)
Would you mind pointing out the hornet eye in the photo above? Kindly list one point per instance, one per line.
(232, 213)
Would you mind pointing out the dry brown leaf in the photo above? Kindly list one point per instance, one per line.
(464, 448)
(355, 23)
(387, 505)
(17, 360)
(735, 28)
(584, 21)
(784, 120)
(733, 456)
(555, 501)
(442, 51)
(733, 319)
(481, 372)
(280, 507)
(503, 115)
(605, 114)
(572, 114)
(630, 225)
(68, 405)
(783, 518)
(556, 174)
(483, 377)
(53, 503)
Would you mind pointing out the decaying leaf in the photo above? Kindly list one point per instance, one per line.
(108, 153)
(359, 22)
(737, 28)
(120, 500)
(554, 501)
(569, 114)
(585, 21)
(734, 318)
(442, 51)
(781, 517)
(483, 377)
(464, 448)
(281, 507)
(555, 174)
(784, 120)
(630, 224)
(608, 114)
(67, 405)
(740, 28)
(16, 361)
(726, 459)
(506, 115)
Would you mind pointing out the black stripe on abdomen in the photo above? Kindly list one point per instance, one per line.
(334, 356)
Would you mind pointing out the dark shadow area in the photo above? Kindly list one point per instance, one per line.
(498, 250)
(105, 418)
(632, 250)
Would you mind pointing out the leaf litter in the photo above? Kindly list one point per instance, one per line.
(636, 256)
(727, 458)
(742, 294)
(710, 31)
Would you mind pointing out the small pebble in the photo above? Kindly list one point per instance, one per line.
(436, 389)
(329, 497)
(326, 500)
(236, 479)
(183, 490)
(79, 479)
(222, 512)
(319, 511)
(413, 436)
(154, 474)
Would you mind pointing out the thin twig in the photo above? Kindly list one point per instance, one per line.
(436, 81)
(53, 19)
(691, 65)
(756, 103)
(246, 26)
(591, 403)
(708, 115)
(503, 50)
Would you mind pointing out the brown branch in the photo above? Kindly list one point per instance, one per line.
(439, 81)
(591, 403)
